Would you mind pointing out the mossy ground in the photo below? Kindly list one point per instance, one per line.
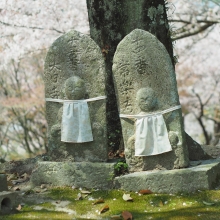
(199, 205)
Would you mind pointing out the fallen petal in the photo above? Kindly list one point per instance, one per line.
(126, 215)
(115, 217)
(127, 197)
(104, 209)
(85, 192)
(19, 207)
(145, 191)
(98, 201)
(208, 203)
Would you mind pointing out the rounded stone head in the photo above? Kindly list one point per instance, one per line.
(146, 99)
(74, 88)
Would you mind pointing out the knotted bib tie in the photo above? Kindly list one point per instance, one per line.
(151, 136)
(76, 125)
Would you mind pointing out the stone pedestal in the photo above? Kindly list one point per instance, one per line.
(202, 177)
(8, 201)
(85, 174)
(3, 183)
(101, 176)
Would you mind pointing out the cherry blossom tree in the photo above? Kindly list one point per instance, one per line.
(196, 31)
(28, 28)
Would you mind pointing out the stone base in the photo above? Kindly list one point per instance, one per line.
(204, 176)
(8, 201)
(78, 174)
(3, 183)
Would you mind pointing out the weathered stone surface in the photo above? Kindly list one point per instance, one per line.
(204, 176)
(212, 151)
(22, 166)
(78, 174)
(141, 61)
(75, 54)
(198, 152)
(3, 183)
(8, 201)
(110, 22)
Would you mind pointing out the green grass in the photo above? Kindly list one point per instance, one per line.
(200, 205)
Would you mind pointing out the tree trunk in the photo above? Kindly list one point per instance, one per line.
(110, 21)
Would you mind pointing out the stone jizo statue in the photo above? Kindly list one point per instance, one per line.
(74, 88)
(146, 100)
(148, 103)
(73, 118)
(151, 132)
(74, 77)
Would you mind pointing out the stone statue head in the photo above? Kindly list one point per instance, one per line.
(74, 88)
(146, 99)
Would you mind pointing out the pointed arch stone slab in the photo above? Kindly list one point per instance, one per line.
(140, 61)
(76, 54)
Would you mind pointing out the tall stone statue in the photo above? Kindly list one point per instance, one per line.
(75, 100)
(148, 102)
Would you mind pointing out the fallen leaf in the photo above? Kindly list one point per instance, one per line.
(115, 217)
(126, 215)
(19, 207)
(208, 203)
(16, 189)
(12, 176)
(37, 191)
(104, 51)
(18, 181)
(160, 204)
(43, 186)
(122, 154)
(145, 191)
(127, 197)
(85, 192)
(9, 183)
(28, 192)
(24, 176)
(104, 209)
(98, 201)
(73, 187)
(79, 197)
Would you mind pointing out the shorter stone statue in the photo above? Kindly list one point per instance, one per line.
(151, 135)
(151, 132)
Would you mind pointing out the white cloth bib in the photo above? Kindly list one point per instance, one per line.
(76, 125)
(151, 136)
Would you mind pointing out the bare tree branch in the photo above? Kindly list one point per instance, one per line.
(30, 27)
(190, 33)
